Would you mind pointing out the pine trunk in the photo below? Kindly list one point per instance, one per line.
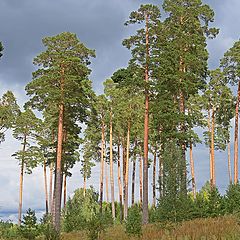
(51, 187)
(133, 180)
(45, 185)
(106, 178)
(58, 184)
(236, 137)
(154, 177)
(140, 180)
(212, 148)
(64, 190)
(192, 171)
(21, 183)
(102, 167)
(120, 183)
(84, 185)
(127, 173)
(146, 120)
(229, 165)
(111, 169)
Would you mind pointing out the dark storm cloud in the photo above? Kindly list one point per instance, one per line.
(99, 24)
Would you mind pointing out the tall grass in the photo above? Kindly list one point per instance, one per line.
(222, 228)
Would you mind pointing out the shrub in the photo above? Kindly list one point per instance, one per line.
(47, 228)
(232, 199)
(29, 228)
(133, 222)
(80, 209)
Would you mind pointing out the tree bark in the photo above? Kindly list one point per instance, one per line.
(146, 123)
(45, 184)
(84, 185)
(140, 180)
(111, 168)
(51, 187)
(212, 148)
(127, 173)
(64, 190)
(154, 176)
(21, 183)
(192, 171)
(236, 137)
(102, 166)
(133, 181)
(58, 188)
(229, 165)
(120, 183)
(106, 178)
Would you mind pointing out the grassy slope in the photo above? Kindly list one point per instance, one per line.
(199, 229)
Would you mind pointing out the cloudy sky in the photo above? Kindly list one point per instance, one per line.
(99, 25)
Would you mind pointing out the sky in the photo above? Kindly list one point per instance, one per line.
(99, 24)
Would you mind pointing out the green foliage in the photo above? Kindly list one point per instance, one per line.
(8, 230)
(47, 228)
(133, 222)
(232, 199)
(29, 228)
(9, 110)
(80, 210)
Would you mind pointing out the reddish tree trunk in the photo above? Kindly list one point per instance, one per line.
(236, 138)
(45, 185)
(102, 166)
(111, 168)
(146, 123)
(21, 183)
(192, 171)
(120, 183)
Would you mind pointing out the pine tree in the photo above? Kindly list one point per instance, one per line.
(231, 68)
(25, 130)
(9, 110)
(142, 44)
(62, 83)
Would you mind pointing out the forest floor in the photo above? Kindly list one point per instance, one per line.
(200, 229)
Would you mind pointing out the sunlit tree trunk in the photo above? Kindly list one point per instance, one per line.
(127, 173)
(146, 123)
(58, 184)
(102, 166)
(229, 164)
(212, 148)
(192, 171)
(45, 184)
(64, 190)
(236, 137)
(154, 176)
(111, 168)
(51, 188)
(21, 183)
(133, 181)
(140, 180)
(120, 182)
(84, 185)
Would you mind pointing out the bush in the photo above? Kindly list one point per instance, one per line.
(8, 230)
(133, 222)
(29, 228)
(47, 229)
(80, 209)
(232, 199)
